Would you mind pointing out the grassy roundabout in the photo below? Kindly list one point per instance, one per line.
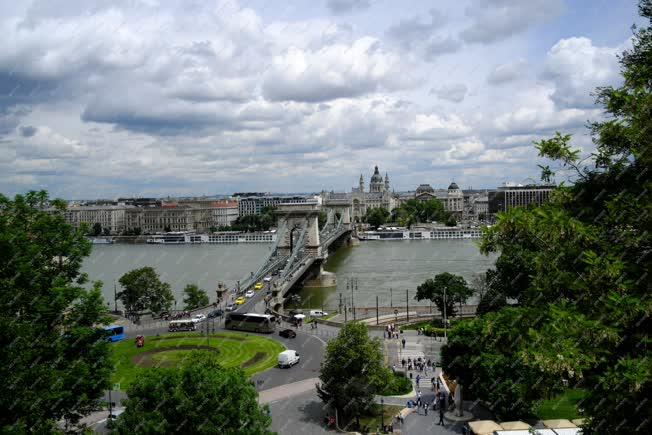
(252, 353)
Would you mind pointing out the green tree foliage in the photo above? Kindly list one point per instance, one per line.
(376, 216)
(414, 211)
(195, 297)
(106, 231)
(581, 264)
(142, 289)
(453, 286)
(322, 219)
(54, 362)
(200, 397)
(352, 372)
(97, 229)
(254, 222)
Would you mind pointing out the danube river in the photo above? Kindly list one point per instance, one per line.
(378, 266)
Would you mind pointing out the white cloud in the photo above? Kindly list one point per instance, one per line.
(508, 72)
(576, 67)
(495, 20)
(454, 92)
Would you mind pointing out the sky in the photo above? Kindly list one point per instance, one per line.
(103, 99)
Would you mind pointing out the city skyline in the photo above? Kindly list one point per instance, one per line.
(179, 99)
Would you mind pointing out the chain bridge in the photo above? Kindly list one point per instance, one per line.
(301, 247)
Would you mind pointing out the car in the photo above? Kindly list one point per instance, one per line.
(268, 278)
(317, 313)
(288, 358)
(275, 273)
(287, 333)
(240, 301)
(258, 286)
(198, 318)
(250, 294)
(215, 313)
(230, 307)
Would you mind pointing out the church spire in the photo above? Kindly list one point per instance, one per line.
(386, 182)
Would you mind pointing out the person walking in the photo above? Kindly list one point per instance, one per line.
(418, 399)
(403, 363)
(403, 342)
(425, 408)
(441, 416)
(418, 379)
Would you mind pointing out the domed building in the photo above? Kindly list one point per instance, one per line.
(424, 192)
(452, 199)
(379, 195)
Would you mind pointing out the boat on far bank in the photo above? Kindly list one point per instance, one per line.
(101, 241)
(436, 233)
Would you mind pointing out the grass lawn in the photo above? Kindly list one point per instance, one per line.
(252, 353)
(416, 325)
(562, 406)
(372, 422)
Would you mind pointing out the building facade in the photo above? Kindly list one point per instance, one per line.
(248, 205)
(109, 217)
(509, 196)
(378, 196)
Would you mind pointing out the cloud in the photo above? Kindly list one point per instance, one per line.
(495, 20)
(438, 46)
(576, 67)
(334, 71)
(340, 7)
(454, 92)
(27, 130)
(507, 72)
(413, 31)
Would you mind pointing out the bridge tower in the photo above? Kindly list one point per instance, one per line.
(298, 217)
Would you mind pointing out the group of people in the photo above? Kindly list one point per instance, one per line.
(390, 331)
(418, 364)
(439, 403)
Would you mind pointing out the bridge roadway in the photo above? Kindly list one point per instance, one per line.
(283, 284)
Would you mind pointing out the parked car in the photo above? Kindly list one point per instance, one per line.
(198, 318)
(258, 286)
(250, 294)
(268, 278)
(215, 313)
(287, 333)
(317, 313)
(230, 307)
(240, 301)
(288, 358)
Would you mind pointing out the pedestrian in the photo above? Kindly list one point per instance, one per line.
(419, 400)
(425, 408)
(418, 379)
(403, 342)
(393, 368)
(403, 363)
(441, 416)
(410, 375)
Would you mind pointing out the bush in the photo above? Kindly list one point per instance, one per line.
(398, 385)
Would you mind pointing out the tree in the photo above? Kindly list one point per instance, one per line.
(55, 364)
(414, 211)
(142, 289)
(376, 216)
(454, 287)
(584, 260)
(352, 372)
(195, 297)
(199, 397)
(106, 231)
(97, 229)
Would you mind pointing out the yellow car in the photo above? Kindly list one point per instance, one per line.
(240, 301)
(258, 286)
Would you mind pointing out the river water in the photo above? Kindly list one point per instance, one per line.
(378, 266)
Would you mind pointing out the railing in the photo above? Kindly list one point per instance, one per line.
(271, 259)
(298, 247)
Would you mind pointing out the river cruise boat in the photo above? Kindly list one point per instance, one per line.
(439, 233)
(175, 238)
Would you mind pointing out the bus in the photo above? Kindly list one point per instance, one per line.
(114, 333)
(182, 325)
(251, 322)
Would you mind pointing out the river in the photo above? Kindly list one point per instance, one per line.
(378, 267)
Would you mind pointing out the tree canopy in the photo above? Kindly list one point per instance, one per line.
(255, 222)
(414, 211)
(352, 371)
(376, 216)
(578, 268)
(195, 297)
(199, 397)
(454, 287)
(54, 362)
(142, 289)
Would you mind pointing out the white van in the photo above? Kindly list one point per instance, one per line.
(317, 313)
(288, 358)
